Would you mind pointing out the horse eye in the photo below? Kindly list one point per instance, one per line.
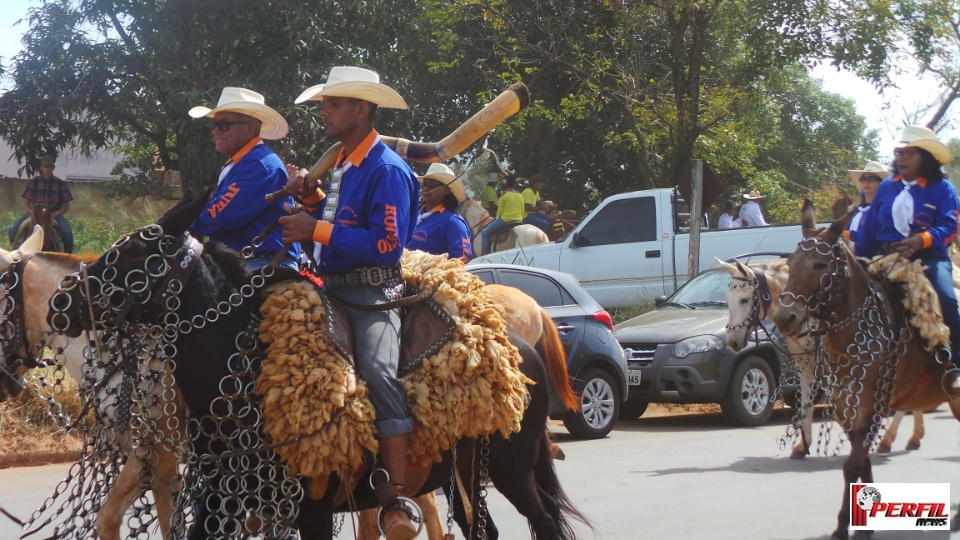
(744, 300)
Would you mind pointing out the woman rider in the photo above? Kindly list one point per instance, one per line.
(440, 229)
(867, 181)
(915, 214)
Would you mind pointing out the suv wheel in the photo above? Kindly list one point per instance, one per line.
(599, 405)
(749, 398)
(632, 409)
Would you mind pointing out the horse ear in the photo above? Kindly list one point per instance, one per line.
(808, 219)
(730, 269)
(837, 227)
(745, 270)
(33, 243)
(180, 216)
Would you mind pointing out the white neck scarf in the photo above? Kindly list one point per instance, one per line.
(855, 222)
(902, 209)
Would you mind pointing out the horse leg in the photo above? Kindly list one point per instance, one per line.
(856, 468)
(166, 483)
(918, 431)
(315, 519)
(119, 498)
(802, 448)
(886, 443)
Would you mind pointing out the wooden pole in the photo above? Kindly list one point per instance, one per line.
(696, 214)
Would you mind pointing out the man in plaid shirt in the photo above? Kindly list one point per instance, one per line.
(52, 191)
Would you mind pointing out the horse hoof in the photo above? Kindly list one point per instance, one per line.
(913, 445)
(798, 454)
(883, 449)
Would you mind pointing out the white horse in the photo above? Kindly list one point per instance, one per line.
(748, 307)
(39, 278)
(478, 219)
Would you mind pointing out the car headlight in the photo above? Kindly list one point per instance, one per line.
(698, 344)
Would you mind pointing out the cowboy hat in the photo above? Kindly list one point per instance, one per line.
(250, 103)
(354, 82)
(48, 159)
(872, 167)
(925, 138)
(443, 174)
(753, 196)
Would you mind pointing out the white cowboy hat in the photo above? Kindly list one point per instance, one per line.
(250, 103)
(925, 138)
(443, 174)
(354, 82)
(872, 167)
(753, 196)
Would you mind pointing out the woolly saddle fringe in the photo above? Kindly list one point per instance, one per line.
(920, 300)
(472, 387)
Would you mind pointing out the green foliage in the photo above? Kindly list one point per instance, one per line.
(625, 313)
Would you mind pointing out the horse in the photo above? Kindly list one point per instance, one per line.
(873, 360)
(754, 295)
(520, 467)
(478, 219)
(40, 216)
(38, 274)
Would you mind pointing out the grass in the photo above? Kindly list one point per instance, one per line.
(622, 314)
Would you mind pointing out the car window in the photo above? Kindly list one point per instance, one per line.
(620, 222)
(709, 289)
(545, 291)
(485, 276)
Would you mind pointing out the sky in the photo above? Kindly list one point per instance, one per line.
(869, 102)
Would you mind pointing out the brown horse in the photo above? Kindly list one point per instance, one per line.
(874, 360)
(39, 274)
(754, 295)
(40, 216)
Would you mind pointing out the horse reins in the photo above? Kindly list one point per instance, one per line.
(13, 339)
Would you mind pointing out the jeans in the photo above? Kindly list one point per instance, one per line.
(940, 274)
(252, 265)
(539, 221)
(65, 231)
(488, 233)
(376, 348)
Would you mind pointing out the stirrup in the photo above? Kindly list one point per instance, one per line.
(410, 508)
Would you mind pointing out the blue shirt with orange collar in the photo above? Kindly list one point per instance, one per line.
(375, 213)
(237, 212)
(935, 210)
(442, 232)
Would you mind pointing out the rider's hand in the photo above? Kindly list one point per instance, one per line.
(297, 183)
(298, 227)
(909, 246)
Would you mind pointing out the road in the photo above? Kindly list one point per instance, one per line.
(675, 477)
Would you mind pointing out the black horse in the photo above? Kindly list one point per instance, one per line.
(214, 305)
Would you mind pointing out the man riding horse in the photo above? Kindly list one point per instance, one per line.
(45, 193)
(362, 225)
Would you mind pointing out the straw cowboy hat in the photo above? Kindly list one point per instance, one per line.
(873, 168)
(925, 138)
(250, 103)
(443, 174)
(754, 196)
(354, 82)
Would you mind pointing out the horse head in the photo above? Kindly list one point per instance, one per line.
(12, 364)
(133, 277)
(41, 214)
(818, 268)
(744, 303)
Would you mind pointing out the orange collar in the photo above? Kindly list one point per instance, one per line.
(438, 208)
(356, 157)
(245, 150)
(922, 182)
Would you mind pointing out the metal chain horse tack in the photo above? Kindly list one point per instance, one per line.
(257, 494)
(871, 338)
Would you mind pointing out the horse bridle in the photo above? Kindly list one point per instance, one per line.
(13, 338)
(818, 302)
(760, 302)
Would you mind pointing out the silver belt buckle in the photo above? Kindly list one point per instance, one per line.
(375, 275)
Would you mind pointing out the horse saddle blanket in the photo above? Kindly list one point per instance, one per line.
(504, 233)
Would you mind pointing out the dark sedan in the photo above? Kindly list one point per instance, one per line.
(594, 358)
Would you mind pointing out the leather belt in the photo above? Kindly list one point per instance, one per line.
(365, 275)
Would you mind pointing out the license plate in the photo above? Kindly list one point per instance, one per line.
(633, 377)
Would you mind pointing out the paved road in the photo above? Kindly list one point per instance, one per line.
(677, 477)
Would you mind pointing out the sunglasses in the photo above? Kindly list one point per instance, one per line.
(224, 125)
(432, 186)
(869, 178)
(905, 152)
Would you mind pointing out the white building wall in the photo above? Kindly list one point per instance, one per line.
(70, 164)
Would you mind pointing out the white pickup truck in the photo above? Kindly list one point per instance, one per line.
(634, 247)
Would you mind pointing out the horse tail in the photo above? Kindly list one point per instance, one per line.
(556, 359)
(551, 493)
